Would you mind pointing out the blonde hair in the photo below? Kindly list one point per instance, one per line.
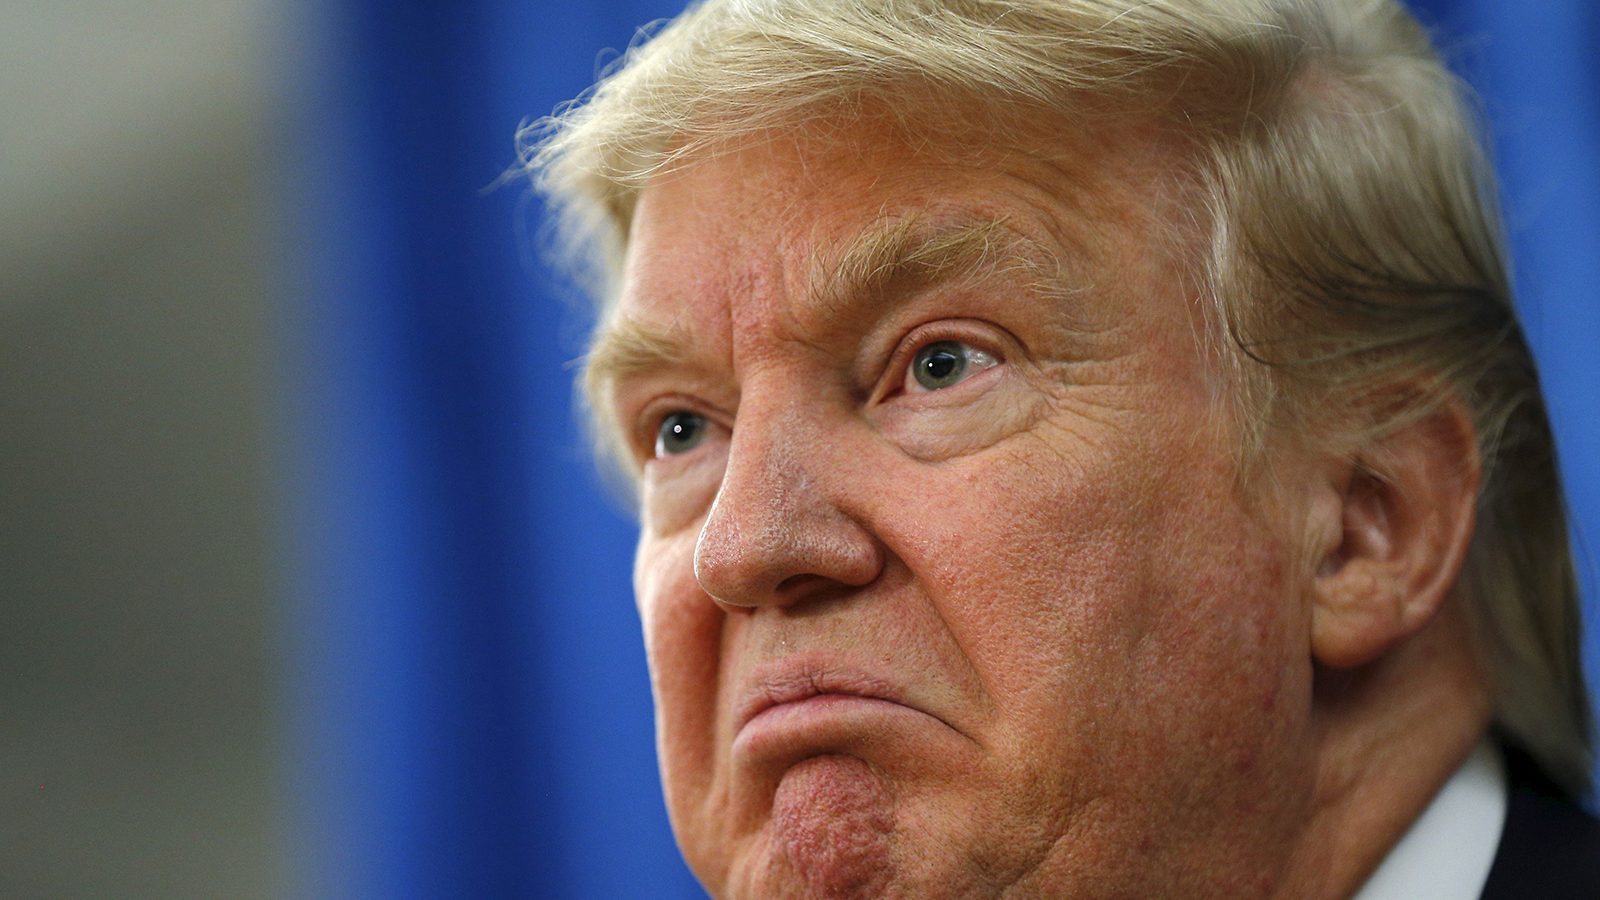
(1351, 234)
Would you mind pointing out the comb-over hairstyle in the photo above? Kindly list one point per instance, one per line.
(1350, 260)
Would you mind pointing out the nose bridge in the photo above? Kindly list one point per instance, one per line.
(776, 530)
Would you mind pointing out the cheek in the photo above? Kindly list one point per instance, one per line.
(1110, 604)
(682, 632)
(1225, 666)
(1030, 563)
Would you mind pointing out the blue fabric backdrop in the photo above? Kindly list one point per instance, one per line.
(467, 709)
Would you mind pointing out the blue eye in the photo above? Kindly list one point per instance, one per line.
(947, 363)
(680, 432)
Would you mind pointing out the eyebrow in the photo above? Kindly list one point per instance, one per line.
(900, 255)
(908, 254)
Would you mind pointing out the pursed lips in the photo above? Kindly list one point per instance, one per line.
(794, 681)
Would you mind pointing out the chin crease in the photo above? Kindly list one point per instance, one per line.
(832, 820)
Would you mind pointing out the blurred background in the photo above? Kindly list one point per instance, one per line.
(306, 585)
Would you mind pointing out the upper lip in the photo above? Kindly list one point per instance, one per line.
(791, 681)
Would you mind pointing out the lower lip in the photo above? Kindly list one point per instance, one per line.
(823, 723)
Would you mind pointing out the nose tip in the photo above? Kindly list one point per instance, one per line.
(803, 556)
(778, 531)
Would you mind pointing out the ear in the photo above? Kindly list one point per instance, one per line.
(1404, 508)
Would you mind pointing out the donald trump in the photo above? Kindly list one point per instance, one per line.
(1084, 448)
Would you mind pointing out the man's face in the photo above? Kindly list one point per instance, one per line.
(947, 579)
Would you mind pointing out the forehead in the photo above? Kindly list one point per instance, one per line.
(792, 223)
(801, 192)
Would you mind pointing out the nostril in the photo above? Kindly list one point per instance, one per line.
(811, 592)
(796, 584)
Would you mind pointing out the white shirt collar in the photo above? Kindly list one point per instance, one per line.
(1447, 852)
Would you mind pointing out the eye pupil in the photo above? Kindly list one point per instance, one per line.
(680, 432)
(939, 365)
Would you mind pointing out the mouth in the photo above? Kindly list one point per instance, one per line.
(798, 709)
(796, 684)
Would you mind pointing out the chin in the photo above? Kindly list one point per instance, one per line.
(836, 827)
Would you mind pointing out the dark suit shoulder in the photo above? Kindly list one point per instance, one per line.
(1550, 849)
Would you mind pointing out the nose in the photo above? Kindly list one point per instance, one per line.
(779, 531)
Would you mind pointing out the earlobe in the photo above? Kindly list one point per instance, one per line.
(1398, 520)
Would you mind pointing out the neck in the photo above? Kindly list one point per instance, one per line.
(1389, 735)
